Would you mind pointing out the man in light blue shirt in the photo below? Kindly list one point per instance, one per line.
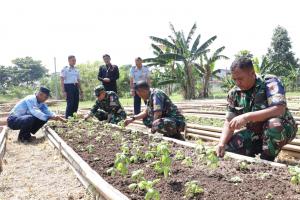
(138, 73)
(30, 114)
(70, 85)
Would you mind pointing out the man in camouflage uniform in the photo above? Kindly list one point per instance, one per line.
(107, 106)
(258, 105)
(161, 114)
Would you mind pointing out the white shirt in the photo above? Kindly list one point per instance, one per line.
(70, 75)
(139, 74)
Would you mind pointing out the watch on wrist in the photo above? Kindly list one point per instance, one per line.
(133, 118)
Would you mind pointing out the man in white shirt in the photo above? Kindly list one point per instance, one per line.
(70, 84)
(138, 73)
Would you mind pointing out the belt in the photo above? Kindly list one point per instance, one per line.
(70, 83)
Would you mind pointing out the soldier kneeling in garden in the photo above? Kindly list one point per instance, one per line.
(161, 114)
(259, 105)
(107, 107)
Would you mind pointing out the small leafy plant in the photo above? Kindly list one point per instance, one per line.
(243, 166)
(192, 189)
(295, 173)
(90, 148)
(163, 165)
(121, 165)
(236, 179)
(187, 162)
(141, 183)
(179, 155)
(149, 155)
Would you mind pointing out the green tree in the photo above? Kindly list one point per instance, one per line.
(124, 81)
(30, 70)
(180, 49)
(282, 60)
(207, 68)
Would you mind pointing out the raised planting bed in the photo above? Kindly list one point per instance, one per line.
(144, 166)
(3, 141)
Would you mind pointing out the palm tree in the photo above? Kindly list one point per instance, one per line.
(181, 51)
(207, 68)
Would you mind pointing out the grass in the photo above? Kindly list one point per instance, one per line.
(6, 98)
(205, 121)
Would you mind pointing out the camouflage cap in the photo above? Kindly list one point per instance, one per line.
(98, 90)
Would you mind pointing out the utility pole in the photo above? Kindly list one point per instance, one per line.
(56, 88)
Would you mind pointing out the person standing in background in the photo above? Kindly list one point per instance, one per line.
(108, 74)
(70, 84)
(138, 73)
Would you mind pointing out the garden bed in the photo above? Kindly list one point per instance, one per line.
(177, 167)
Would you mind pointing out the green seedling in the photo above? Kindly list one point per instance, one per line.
(116, 136)
(111, 171)
(192, 189)
(269, 196)
(142, 184)
(90, 148)
(163, 165)
(187, 162)
(262, 176)
(236, 179)
(137, 151)
(179, 155)
(243, 166)
(122, 124)
(125, 148)
(121, 163)
(295, 173)
(149, 155)
(137, 175)
(212, 159)
(98, 138)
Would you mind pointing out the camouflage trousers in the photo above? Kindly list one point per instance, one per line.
(111, 118)
(169, 127)
(267, 142)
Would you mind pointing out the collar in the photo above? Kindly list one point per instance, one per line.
(136, 67)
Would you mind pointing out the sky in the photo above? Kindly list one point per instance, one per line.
(44, 29)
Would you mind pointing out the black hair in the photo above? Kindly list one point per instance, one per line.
(138, 58)
(142, 85)
(242, 62)
(70, 57)
(106, 55)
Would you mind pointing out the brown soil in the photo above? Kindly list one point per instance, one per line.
(215, 182)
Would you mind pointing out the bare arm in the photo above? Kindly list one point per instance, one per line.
(257, 116)
(141, 115)
(79, 86)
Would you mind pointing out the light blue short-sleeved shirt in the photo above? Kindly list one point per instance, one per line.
(30, 106)
(70, 75)
(139, 74)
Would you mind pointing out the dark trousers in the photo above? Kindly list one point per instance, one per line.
(26, 124)
(137, 104)
(72, 99)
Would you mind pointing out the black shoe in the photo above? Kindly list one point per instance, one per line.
(27, 139)
(178, 136)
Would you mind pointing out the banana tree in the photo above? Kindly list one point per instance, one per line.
(178, 48)
(207, 68)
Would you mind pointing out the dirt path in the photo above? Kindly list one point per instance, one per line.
(36, 171)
